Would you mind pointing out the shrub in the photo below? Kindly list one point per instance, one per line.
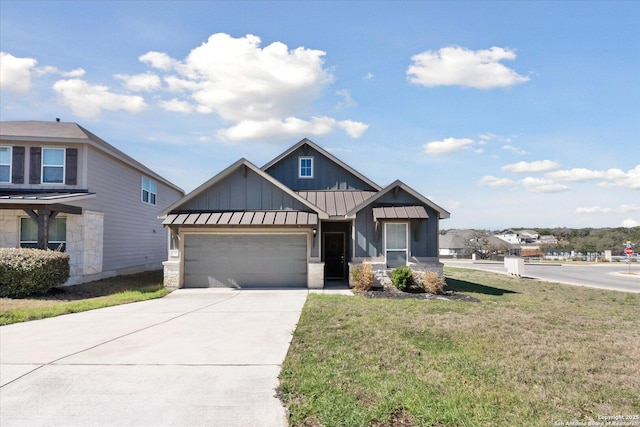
(362, 277)
(402, 278)
(25, 272)
(432, 282)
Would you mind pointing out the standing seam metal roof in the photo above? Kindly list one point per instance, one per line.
(336, 203)
(243, 218)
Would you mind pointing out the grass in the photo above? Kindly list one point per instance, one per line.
(88, 296)
(529, 353)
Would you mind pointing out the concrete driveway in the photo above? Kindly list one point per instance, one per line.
(194, 358)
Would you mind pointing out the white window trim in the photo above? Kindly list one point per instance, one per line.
(10, 162)
(64, 165)
(300, 159)
(406, 250)
(142, 190)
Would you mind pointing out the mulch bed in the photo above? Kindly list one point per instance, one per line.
(393, 293)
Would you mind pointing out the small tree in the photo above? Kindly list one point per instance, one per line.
(484, 245)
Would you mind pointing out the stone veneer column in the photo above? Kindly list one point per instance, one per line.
(93, 242)
(84, 243)
(315, 275)
(10, 228)
(171, 274)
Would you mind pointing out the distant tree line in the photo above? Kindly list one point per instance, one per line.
(593, 239)
(583, 240)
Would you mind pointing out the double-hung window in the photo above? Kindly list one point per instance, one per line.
(305, 169)
(57, 233)
(53, 165)
(396, 243)
(149, 191)
(5, 164)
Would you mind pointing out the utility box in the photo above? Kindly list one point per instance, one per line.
(514, 265)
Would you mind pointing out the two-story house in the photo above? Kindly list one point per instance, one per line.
(64, 188)
(301, 219)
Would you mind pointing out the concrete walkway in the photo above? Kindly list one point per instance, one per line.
(194, 358)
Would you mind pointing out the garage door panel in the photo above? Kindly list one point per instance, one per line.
(245, 260)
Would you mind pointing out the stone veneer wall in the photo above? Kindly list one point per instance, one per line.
(84, 240)
(85, 235)
(10, 228)
(382, 274)
(172, 274)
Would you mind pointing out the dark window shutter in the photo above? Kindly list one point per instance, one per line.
(17, 166)
(35, 164)
(71, 172)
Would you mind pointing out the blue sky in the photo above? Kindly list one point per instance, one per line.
(507, 114)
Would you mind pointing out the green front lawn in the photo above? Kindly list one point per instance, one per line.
(528, 354)
(87, 296)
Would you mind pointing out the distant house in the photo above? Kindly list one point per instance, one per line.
(63, 187)
(461, 243)
(303, 218)
(509, 236)
(455, 243)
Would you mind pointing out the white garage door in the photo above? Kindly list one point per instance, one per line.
(245, 260)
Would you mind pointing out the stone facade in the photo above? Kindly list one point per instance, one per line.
(84, 240)
(315, 273)
(84, 243)
(171, 274)
(382, 274)
(10, 228)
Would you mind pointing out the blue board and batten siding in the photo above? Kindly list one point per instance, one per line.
(423, 234)
(243, 190)
(327, 175)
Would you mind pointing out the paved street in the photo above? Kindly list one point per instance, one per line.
(196, 357)
(611, 276)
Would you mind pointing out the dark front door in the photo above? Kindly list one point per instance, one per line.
(334, 255)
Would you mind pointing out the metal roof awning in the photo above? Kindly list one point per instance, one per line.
(253, 218)
(55, 201)
(400, 212)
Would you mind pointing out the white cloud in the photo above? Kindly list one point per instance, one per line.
(368, 76)
(88, 100)
(347, 99)
(140, 82)
(532, 167)
(15, 73)
(542, 185)
(613, 177)
(78, 72)
(493, 137)
(176, 106)
(629, 222)
(457, 66)
(290, 126)
(353, 129)
(158, 60)
(264, 90)
(515, 150)
(576, 175)
(493, 181)
(49, 69)
(447, 145)
(605, 210)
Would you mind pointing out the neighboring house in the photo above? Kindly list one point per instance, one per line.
(455, 243)
(303, 218)
(461, 243)
(509, 236)
(64, 188)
